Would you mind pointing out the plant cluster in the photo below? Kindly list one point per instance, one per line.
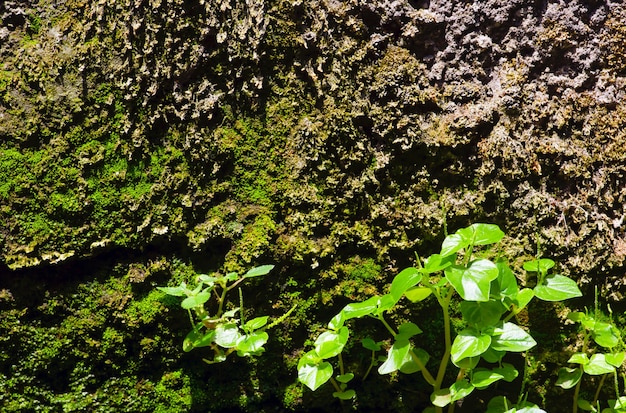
(604, 359)
(224, 331)
(490, 298)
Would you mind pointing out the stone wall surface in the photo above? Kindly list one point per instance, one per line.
(141, 137)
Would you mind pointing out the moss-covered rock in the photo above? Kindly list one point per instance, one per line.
(331, 138)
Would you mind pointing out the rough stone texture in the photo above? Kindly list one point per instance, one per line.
(311, 132)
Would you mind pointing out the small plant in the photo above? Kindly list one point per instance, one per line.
(605, 360)
(222, 331)
(489, 298)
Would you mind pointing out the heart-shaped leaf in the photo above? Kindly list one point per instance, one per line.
(453, 243)
(541, 265)
(345, 378)
(331, 343)
(226, 335)
(417, 294)
(482, 314)
(483, 377)
(314, 375)
(251, 344)
(345, 395)
(437, 262)
(510, 337)
(569, 377)
(196, 300)
(370, 344)
(557, 287)
(598, 365)
(473, 282)
(481, 234)
(469, 343)
(407, 278)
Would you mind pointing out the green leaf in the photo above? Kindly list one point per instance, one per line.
(482, 314)
(196, 300)
(469, 343)
(313, 376)
(345, 378)
(231, 276)
(331, 343)
(175, 291)
(396, 356)
(370, 344)
(508, 372)
(399, 358)
(461, 389)
(310, 357)
(417, 294)
(577, 316)
(258, 271)
(585, 405)
(251, 344)
(473, 282)
(597, 366)
(410, 366)
(615, 359)
(227, 335)
(408, 330)
(468, 363)
(354, 310)
(407, 278)
(541, 266)
(483, 377)
(605, 334)
(510, 337)
(437, 262)
(506, 282)
(453, 243)
(385, 302)
(523, 297)
(256, 323)
(481, 234)
(345, 395)
(441, 398)
(579, 358)
(618, 405)
(196, 338)
(568, 377)
(557, 288)
(493, 356)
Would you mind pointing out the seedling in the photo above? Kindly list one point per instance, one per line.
(489, 298)
(605, 359)
(223, 331)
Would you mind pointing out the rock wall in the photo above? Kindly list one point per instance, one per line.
(139, 138)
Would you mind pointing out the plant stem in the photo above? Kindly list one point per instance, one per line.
(597, 395)
(335, 385)
(445, 305)
(221, 300)
(341, 369)
(372, 363)
(576, 392)
(387, 326)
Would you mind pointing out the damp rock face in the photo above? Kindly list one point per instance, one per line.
(312, 132)
(322, 125)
